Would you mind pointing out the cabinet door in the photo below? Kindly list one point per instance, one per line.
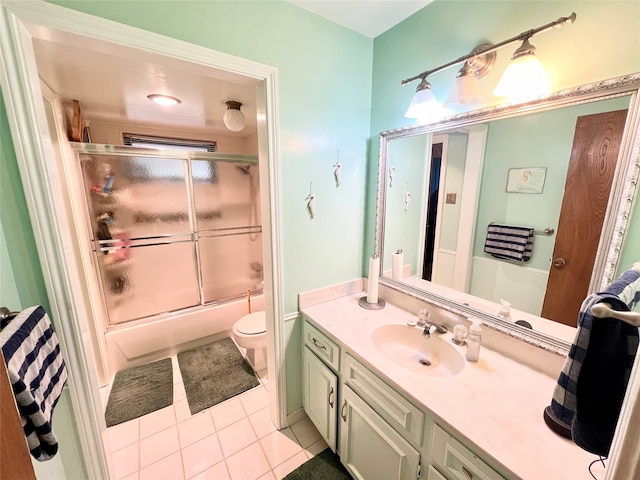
(369, 447)
(320, 394)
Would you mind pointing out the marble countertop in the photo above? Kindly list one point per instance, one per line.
(495, 404)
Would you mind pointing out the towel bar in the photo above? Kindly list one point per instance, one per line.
(546, 231)
(604, 310)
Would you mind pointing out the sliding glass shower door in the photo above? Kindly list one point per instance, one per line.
(172, 232)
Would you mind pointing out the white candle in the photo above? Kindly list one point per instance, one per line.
(372, 283)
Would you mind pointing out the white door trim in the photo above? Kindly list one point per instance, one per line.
(19, 23)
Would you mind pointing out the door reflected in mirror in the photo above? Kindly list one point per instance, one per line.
(561, 163)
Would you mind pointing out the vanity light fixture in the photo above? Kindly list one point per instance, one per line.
(164, 100)
(233, 118)
(524, 78)
(478, 62)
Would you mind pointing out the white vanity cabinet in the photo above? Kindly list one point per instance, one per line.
(320, 383)
(378, 433)
(369, 447)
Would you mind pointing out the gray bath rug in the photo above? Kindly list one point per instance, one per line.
(140, 390)
(214, 373)
(324, 466)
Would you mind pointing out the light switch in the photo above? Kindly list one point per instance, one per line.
(451, 198)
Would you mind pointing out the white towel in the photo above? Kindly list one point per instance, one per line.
(37, 374)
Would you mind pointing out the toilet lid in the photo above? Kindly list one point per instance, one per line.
(252, 324)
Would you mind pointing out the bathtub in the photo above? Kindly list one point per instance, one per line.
(148, 340)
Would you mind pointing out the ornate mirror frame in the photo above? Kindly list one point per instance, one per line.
(616, 220)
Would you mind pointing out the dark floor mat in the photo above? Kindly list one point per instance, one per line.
(140, 390)
(214, 373)
(324, 466)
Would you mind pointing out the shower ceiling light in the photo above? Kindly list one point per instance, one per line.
(479, 62)
(233, 118)
(164, 100)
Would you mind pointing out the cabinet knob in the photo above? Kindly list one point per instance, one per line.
(343, 412)
(559, 262)
(331, 398)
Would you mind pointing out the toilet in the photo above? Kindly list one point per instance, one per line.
(250, 332)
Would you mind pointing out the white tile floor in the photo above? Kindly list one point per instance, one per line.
(234, 440)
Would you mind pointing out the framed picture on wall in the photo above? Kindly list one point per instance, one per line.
(526, 180)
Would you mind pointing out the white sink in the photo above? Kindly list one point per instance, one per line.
(405, 346)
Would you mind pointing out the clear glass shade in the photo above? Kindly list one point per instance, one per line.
(524, 79)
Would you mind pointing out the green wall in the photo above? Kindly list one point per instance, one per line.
(445, 30)
(410, 157)
(537, 140)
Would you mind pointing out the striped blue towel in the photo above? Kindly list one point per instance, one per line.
(509, 242)
(37, 374)
(623, 294)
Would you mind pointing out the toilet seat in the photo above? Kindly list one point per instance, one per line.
(251, 324)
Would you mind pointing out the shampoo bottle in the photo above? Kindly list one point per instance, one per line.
(473, 340)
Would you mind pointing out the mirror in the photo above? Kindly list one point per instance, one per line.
(441, 186)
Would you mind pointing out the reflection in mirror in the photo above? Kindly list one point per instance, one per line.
(547, 169)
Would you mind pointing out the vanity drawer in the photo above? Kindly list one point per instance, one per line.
(457, 461)
(318, 343)
(433, 474)
(389, 404)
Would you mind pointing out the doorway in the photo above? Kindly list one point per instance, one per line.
(594, 156)
(432, 210)
(49, 210)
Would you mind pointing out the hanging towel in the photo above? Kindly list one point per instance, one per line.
(588, 396)
(509, 242)
(37, 374)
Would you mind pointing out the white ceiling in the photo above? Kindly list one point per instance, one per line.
(112, 82)
(368, 17)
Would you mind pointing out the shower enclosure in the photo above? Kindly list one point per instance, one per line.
(170, 229)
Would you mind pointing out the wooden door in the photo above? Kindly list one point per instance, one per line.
(15, 460)
(594, 155)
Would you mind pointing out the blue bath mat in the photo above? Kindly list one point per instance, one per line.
(140, 390)
(214, 373)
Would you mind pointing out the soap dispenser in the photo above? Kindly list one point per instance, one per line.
(473, 340)
(505, 312)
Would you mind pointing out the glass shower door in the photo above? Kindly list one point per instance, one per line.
(226, 197)
(142, 232)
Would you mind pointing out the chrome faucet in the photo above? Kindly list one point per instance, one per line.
(429, 328)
